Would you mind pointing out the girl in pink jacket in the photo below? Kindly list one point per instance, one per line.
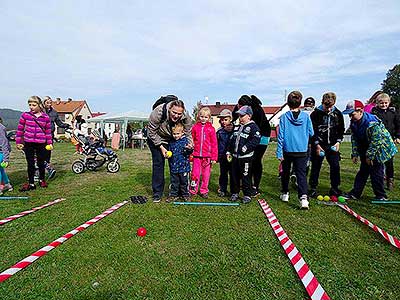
(205, 152)
(34, 137)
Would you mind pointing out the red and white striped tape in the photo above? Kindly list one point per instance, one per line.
(390, 238)
(27, 212)
(41, 252)
(310, 282)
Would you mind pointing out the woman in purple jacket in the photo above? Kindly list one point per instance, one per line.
(34, 137)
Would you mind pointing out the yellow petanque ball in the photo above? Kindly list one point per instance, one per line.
(49, 147)
(169, 154)
(327, 198)
(320, 198)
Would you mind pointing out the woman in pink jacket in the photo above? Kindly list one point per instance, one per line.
(34, 137)
(205, 152)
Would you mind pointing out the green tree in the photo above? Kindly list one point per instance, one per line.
(196, 110)
(391, 85)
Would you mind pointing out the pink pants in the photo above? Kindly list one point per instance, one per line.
(201, 167)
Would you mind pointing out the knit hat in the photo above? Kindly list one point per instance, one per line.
(245, 110)
(225, 113)
(352, 106)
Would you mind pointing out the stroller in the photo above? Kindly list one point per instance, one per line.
(94, 153)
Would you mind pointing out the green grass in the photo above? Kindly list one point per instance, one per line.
(190, 252)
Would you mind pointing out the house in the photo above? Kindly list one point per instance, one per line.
(68, 110)
(271, 112)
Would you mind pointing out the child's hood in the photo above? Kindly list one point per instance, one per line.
(300, 120)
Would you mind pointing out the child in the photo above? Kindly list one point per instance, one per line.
(5, 149)
(205, 152)
(295, 130)
(372, 143)
(391, 120)
(223, 136)
(179, 164)
(34, 135)
(243, 142)
(328, 125)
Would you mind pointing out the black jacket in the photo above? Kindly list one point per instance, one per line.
(244, 140)
(55, 119)
(390, 118)
(328, 127)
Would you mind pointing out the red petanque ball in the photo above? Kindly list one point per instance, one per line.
(334, 199)
(141, 231)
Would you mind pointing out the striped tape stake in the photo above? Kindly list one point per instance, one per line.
(310, 282)
(390, 238)
(27, 212)
(41, 252)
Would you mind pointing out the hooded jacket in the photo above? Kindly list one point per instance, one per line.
(160, 131)
(205, 141)
(244, 139)
(390, 118)
(294, 134)
(369, 137)
(5, 147)
(328, 126)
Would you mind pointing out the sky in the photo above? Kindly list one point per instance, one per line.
(123, 55)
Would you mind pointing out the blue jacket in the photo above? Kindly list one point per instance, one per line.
(179, 161)
(294, 133)
(223, 138)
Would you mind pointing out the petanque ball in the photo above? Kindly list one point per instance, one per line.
(327, 198)
(169, 154)
(48, 147)
(320, 198)
(141, 231)
(334, 198)
(341, 199)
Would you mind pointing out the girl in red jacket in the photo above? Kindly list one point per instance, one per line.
(205, 152)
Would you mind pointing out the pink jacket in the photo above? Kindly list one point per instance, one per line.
(205, 141)
(29, 131)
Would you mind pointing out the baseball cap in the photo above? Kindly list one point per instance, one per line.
(245, 110)
(225, 113)
(352, 106)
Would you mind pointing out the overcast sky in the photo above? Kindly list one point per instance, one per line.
(122, 55)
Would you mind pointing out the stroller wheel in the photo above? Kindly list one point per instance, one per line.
(78, 167)
(113, 166)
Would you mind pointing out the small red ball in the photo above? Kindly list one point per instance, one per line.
(334, 199)
(141, 231)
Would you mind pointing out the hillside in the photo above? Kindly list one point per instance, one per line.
(10, 117)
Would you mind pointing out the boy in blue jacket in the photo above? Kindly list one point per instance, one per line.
(295, 130)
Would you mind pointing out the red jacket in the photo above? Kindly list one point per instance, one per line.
(205, 141)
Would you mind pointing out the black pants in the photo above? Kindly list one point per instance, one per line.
(333, 158)
(38, 150)
(179, 184)
(375, 172)
(47, 156)
(225, 170)
(158, 165)
(299, 166)
(241, 172)
(389, 170)
(257, 167)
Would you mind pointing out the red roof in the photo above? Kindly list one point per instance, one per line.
(216, 109)
(68, 106)
(96, 114)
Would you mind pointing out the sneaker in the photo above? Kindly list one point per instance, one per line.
(335, 192)
(255, 193)
(8, 187)
(234, 197)
(156, 199)
(186, 198)
(246, 199)
(1, 190)
(349, 196)
(27, 187)
(221, 194)
(204, 196)
(304, 202)
(51, 173)
(390, 184)
(312, 193)
(171, 199)
(284, 197)
(43, 184)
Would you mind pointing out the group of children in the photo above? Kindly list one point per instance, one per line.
(231, 146)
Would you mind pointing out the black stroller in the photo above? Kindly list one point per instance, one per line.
(94, 153)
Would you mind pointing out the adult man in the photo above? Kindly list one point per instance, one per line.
(55, 119)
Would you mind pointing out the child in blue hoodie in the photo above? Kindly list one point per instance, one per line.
(295, 130)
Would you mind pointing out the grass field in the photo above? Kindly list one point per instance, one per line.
(191, 252)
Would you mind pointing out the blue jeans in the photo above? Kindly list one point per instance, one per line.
(158, 165)
(333, 158)
(299, 166)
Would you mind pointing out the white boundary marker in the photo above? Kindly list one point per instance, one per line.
(310, 282)
(41, 252)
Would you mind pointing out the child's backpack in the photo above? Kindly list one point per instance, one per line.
(164, 100)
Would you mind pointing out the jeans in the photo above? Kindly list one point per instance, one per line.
(179, 184)
(38, 150)
(241, 171)
(158, 165)
(257, 167)
(333, 158)
(225, 170)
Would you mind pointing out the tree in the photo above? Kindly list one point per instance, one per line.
(196, 110)
(391, 85)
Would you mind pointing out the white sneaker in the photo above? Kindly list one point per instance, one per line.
(8, 187)
(304, 202)
(284, 197)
